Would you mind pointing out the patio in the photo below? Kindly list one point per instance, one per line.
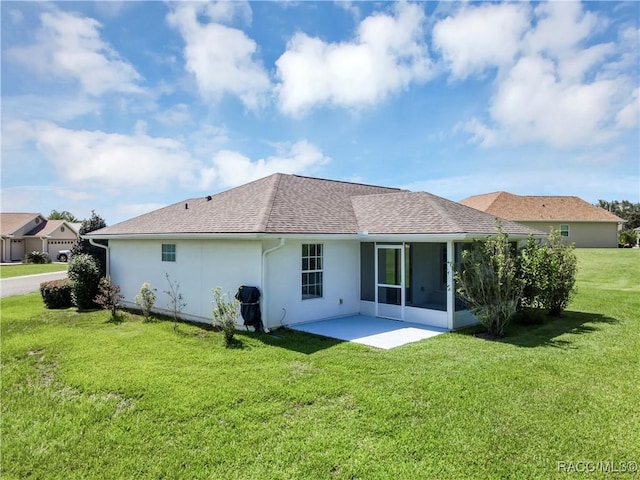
(372, 331)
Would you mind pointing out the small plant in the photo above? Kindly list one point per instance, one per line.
(145, 299)
(56, 293)
(37, 257)
(84, 273)
(109, 297)
(176, 301)
(225, 314)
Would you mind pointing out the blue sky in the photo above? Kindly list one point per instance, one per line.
(124, 107)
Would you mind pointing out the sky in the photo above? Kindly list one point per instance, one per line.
(125, 107)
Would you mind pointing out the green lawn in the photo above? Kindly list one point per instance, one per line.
(10, 271)
(85, 398)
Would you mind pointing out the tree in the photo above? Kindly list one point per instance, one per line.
(624, 209)
(488, 281)
(63, 215)
(84, 273)
(95, 222)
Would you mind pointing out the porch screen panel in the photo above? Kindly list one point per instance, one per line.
(367, 272)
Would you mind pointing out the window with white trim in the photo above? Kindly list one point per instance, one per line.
(564, 230)
(168, 252)
(312, 270)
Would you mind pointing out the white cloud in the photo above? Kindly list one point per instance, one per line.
(113, 161)
(553, 85)
(629, 115)
(386, 56)
(533, 104)
(69, 47)
(231, 168)
(560, 28)
(56, 108)
(475, 39)
(220, 57)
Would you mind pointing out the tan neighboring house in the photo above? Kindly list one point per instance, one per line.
(27, 232)
(580, 222)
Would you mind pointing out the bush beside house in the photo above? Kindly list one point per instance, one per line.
(56, 293)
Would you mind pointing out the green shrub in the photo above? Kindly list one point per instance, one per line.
(488, 281)
(628, 237)
(109, 297)
(145, 299)
(548, 271)
(225, 314)
(56, 293)
(84, 273)
(557, 274)
(530, 263)
(37, 257)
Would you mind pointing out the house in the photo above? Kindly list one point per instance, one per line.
(580, 222)
(22, 233)
(315, 248)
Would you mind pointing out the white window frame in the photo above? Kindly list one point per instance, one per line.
(564, 232)
(168, 254)
(312, 276)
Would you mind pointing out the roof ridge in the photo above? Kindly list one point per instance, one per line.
(270, 202)
(441, 212)
(348, 183)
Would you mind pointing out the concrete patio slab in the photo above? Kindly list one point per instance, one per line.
(375, 332)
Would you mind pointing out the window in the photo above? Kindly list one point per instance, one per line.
(168, 252)
(311, 270)
(564, 230)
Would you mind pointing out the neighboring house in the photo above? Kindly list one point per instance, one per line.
(315, 248)
(22, 233)
(580, 222)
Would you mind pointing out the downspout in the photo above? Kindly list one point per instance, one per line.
(264, 281)
(106, 247)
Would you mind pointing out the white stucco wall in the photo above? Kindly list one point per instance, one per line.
(200, 266)
(341, 282)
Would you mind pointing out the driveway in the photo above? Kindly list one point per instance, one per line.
(27, 284)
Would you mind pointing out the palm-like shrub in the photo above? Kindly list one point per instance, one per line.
(37, 257)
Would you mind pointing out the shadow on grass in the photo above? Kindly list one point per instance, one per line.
(300, 342)
(551, 331)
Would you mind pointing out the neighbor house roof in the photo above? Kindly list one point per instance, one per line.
(12, 222)
(539, 208)
(48, 227)
(292, 204)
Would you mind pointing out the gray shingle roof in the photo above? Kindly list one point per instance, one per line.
(292, 204)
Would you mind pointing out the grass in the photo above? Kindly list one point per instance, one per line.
(83, 397)
(10, 271)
